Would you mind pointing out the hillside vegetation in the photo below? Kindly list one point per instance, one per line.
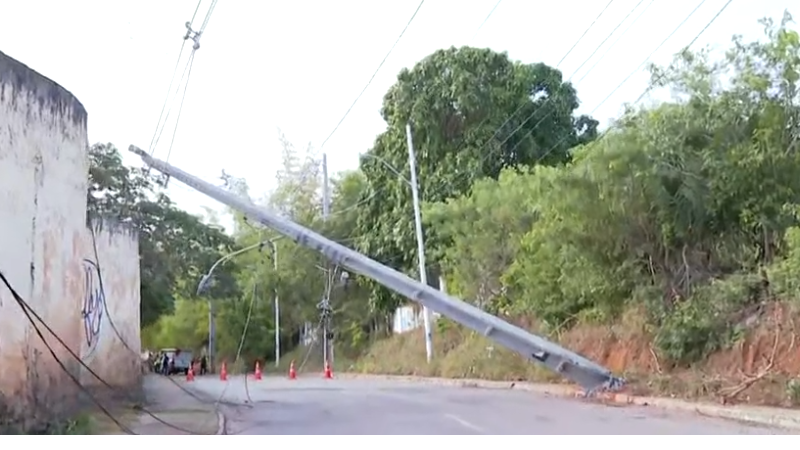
(666, 247)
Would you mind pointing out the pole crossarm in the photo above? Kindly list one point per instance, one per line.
(579, 369)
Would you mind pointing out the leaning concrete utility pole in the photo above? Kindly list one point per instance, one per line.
(588, 374)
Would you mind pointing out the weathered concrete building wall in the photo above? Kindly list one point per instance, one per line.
(43, 183)
(109, 305)
(44, 241)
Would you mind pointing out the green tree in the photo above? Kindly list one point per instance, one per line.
(474, 113)
(175, 246)
(677, 207)
(484, 229)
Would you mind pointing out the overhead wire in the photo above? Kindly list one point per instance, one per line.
(585, 32)
(618, 39)
(491, 153)
(646, 60)
(30, 314)
(549, 98)
(118, 334)
(374, 74)
(159, 124)
(485, 20)
(180, 105)
(597, 61)
(241, 345)
(166, 110)
(194, 36)
(526, 103)
(637, 69)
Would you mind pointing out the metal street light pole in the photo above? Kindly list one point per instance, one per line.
(277, 304)
(414, 185)
(206, 279)
(423, 275)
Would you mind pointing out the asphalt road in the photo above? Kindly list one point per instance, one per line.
(356, 407)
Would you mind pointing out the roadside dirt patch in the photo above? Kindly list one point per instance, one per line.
(758, 369)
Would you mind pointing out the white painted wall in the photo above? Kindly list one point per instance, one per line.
(409, 317)
(43, 236)
(43, 167)
(109, 305)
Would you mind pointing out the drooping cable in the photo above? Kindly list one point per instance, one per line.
(194, 36)
(30, 314)
(374, 74)
(525, 103)
(486, 19)
(625, 80)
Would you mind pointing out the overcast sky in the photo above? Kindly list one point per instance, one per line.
(298, 65)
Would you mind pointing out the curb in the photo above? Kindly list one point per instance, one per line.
(222, 423)
(765, 416)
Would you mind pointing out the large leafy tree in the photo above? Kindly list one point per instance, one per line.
(474, 112)
(175, 246)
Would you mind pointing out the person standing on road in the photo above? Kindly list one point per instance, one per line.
(203, 365)
(165, 365)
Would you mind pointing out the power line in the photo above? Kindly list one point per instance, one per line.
(374, 74)
(618, 39)
(33, 317)
(638, 68)
(525, 103)
(658, 47)
(594, 52)
(585, 32)
(488, 155)
(486, 19)
(193, 35)
(591, 55)
(156, 133)
(122, 339)
(241, 344)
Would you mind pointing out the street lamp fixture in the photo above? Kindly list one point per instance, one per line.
(206, 281)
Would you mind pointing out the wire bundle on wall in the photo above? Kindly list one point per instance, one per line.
(35, 319)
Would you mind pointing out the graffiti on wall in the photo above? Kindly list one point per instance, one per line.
(93, 305)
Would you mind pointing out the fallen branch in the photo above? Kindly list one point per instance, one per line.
(732, 392)
(655, 360)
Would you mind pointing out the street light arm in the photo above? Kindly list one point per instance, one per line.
(229, 256)
(207, 277)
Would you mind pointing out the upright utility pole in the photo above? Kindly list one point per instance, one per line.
(212, 336)
(423, 275)
(277, 305)
(325, 304)
(326, 200)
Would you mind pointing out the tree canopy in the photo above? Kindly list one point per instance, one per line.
(175, 246)
(474, 113)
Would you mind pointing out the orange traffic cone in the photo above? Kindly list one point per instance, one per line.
(258, 371)
(292, 372)
(328, 371)
(223, 372)
(190, 374)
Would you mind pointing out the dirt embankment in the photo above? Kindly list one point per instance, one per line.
(762, 367)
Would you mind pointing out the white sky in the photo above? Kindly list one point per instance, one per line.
(298, 65)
